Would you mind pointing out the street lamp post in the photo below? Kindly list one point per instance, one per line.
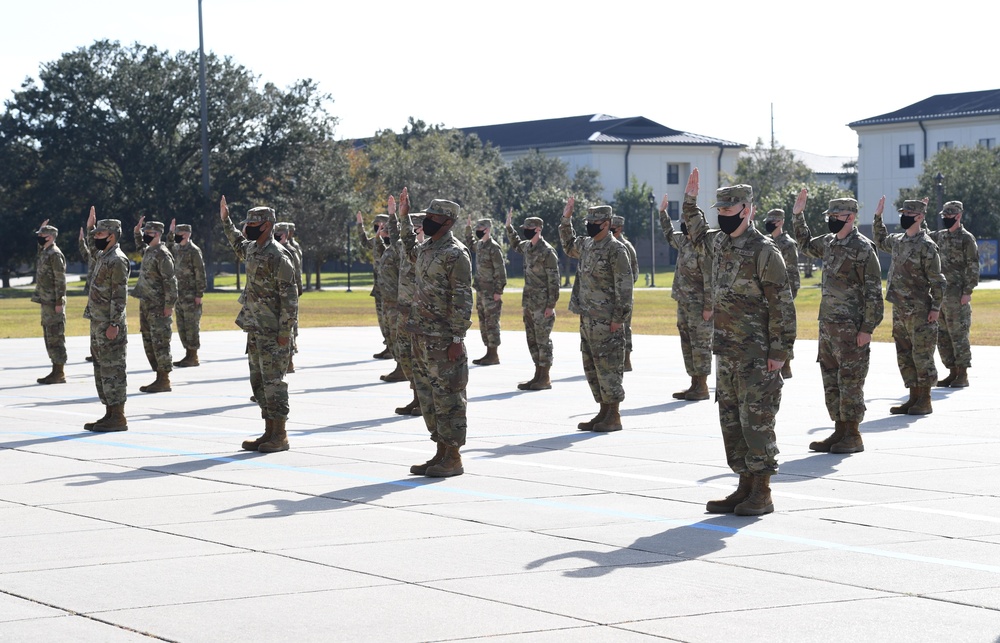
(348, 257)
(652, 240)
(939, 188)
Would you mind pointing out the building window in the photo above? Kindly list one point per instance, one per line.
(673, 174)
(943, 145)
(906, 155)
(988, 143)
(674, 209)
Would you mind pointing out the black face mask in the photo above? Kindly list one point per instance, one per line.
(255, 231)
(616, 232)
(386, 241)
(147, 239)
(178, 238)
(41, 240)
(770, 226)
(101, 244)
(730, 223)
(906, 221)
(528, 233)
(431, 227)
(480, 234)
(375, 228)
(278, 237)
(594, 229)
(947, 222)
(835, 225)
(684, 229)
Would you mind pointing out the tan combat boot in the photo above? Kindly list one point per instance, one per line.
(759, 501)
(727, 504)
(682, 395)
(851, 443)
(903, 408)
(385, 354)
(526, 386)
(89, 426)
(160, 385)
(408, 409)
(421, 469)
(946, 382)
(786, 370)
(823, 446)
(253, 445)
(278, 440)
(190, 359)
(589, 425)
(395, 376)
(449, 465)
(543, 383)
(922, 405)
(699, 389)
(961, 377)
(612, 420)
(57, 376)
(115, 420)
(489, 359)
(628, 361)
(291, 364)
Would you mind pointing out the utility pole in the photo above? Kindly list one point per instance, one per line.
(206, 189)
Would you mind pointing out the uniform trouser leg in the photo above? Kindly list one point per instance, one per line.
(954, 325)
(696, 339)
(381, 319)
(268, 363)
(748, 396)
(391, 314)
(404, 346)
(440, 385)
(156, 330)
(538, 332)
(188, 316)
(489, 311)
(109, 362)
(603, 359)
(844, 367)
(54, 332)
(915, 340)
(628, 334)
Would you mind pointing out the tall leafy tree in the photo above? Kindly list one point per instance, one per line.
(770, 168)
(633, 203)
(820, 195)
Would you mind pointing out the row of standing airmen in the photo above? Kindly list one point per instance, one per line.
(733, 287)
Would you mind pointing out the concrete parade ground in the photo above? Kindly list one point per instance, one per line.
(170, 532)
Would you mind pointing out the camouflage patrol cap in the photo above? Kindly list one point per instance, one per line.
(183, 227)
(617, 221)
(842, 205)
(775, 214)
(533, 222)
(484, 224)
(281, 226)
(417, 220)
(48, 229)
(952, 208)
(914, 205)
(598, 213)
(113, 226)
(733, 195)
(260, 215)
(153, 226)
(290, 226)
(381, 218)
(443, 207)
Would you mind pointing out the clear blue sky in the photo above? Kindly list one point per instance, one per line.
(712, 68)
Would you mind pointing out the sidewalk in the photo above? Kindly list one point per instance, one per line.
(170, 531)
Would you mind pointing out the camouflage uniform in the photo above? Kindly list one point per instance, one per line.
(915, 288)
(617, 224)
(851, 304)
(692, 290)
(105, 308)
(790, 253)
(754, 321)
(377, 246)
(440, 316)
(156, 290)
(960, 266)
(269, 308)
(189, 269)
(489, 281)
(50, 291)
(541, 291)
(602, 295)
(388, 267)
(89, 258)
(284, 229)
(406, 285)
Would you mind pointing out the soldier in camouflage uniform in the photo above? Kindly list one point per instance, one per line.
(387, 267)
(50, 292)
(439, 318)
(754, 330)
(692, 290)
(849, 311)
(189, 269)
(489, 282)
(916, 290)
(108, 322)
(378, 244)
(617, 227)
(960, 265)
(602, 296)
(270, 308)
(282, 234)
(538, 298)
(156, 290)
(404, 301)
(774, 225)
(89, 259)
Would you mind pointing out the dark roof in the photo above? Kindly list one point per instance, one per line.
(586, 130)
(941, 106)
